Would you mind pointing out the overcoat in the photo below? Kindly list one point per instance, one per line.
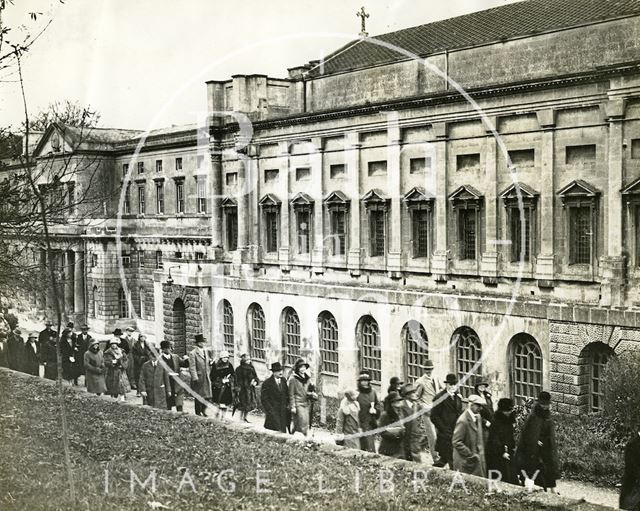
(155, 381)
(275, 402)
(348, 422)
(245, 374)
(140, 355)
(69, 353)
(43, 337)
(199, 367)
(468, 445)
(300, 400)
(537, 448)
(15, 346)
(82, 342)
(116, 375)
(630, 491)
(415, 432)
(392, 443)
(222, 382)
(444, 414)
(94, 370)
(50, 360)
(177, 391)
(368, 420)
(501, 440)
(31, 359)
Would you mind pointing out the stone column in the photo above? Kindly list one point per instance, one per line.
(78, 283)
(316, 192)
(545, 262)
(489, 264)
(283, 195)
(394, 141)
(613, 264)
(244, 169)
(352, 161)
(440, 264)
(215, 192)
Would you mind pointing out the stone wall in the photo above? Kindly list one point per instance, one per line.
(193, 316)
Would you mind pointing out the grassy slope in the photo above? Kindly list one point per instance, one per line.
(105, 433)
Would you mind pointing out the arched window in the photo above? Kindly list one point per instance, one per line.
(468, 354)
(290, 336)
(123, 303)
(94, 301)
(257, 332)
(179, 327)
(328, 342)
(526, 368)
(416, 350)
(593, 360)
(368, 335)
(227, 327)
(142, 303)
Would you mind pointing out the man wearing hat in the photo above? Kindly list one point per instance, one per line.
(69, 353)
(370, 410)
(199, 367)
(173, 363)
(154, 384)
(94, 368)
(468, 440)
(415, 434)
(501, 444)
(117, 334)
(43, 336)
(446, 408)
(275, 400)
(481, 388)
(392, 443)
(83, 340)
(300, 396)
(31, 355)
(140, 355)
(15, 347)
(537, 451)
(126, 343)
(427, 388)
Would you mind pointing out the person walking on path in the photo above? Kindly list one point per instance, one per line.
(300, 396)
(126, 343)
(468, 440)
(94, 368)
(173, 362)
(43, 336)
(500, 447)
(481, 388)
(199, 367)
(50, 357)
(537, 453)
(69, 353)
(392, 443)
(222, 382)
(275, 400)
(427, 388)
(140, 355)
(31, 355)
(412, 411)
(83, 340)
(370, 411)
(154, 384)
(15, 347)
(246, 381)
(116, 361)
(447, 407)
(348, 421)
(630, 491)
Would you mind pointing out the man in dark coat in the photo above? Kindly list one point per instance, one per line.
(447, 407)
(176, 392)
(537, 453)
(31, 356)
(415, 433)
(154, 384)
(481, 388)
(370, 411)
(43, 337)
(15, 347)
(69, 352)
(50, 357)
(630, 491)
(275, 400)
(140, 352)
(199, 367)
(501, 444)
(83, 340)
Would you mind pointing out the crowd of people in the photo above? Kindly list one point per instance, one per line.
(467, 435)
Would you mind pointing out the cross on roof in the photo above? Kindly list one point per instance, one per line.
(363, 20)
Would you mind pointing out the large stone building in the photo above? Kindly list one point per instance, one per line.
(376, 215)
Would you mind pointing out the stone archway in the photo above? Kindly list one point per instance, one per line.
(179, 327)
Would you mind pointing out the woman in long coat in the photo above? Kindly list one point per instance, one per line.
(116, 362)
(501, 444)
(246, 380)
(94, 368)
(348, 420)
(69, 352)
(50, 358)
(300, 396)
(392, 443)
(222, 381)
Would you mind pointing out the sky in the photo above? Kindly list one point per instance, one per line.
(142, 64)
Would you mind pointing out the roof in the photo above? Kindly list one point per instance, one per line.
(509, 21)
(99, 135)
(525, 191)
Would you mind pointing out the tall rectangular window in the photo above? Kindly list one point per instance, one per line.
(180, 196)
(140, 258)
(303, 218)
(158, 165)
(231, 227)
(141, 200)
(271, 230)
(178, 163)
(420, 228)
(520, 226)
(140, 167)
(158, 259)
(377, 232)
(125, 170)
(580, 235)
(160, 198)
(467, 233)
(201, 192)
(338, 226)
(126, 206)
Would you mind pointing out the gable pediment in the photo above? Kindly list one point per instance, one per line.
(269, 200)
(465, 193)
(578, 188)
(53, 142)
(632, 189)
(417, 194)
(374, 196)
(336, 198)
(522, 189)
(229, 202)
(302, 199)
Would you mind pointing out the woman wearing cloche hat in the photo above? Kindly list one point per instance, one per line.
(300, 396)
(222, 382)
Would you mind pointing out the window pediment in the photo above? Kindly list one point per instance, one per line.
(375, 197)
(418, 198)
(302, 200)
(511, 195)
(229, 202)
(336, 198)
(466, 196)
(269, 201)
(632, 189)
(580, 192)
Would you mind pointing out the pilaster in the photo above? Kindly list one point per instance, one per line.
(489, 263)
(215, 192)
(440, 264)
(352, 160)
(545, 261)
(394, 142)
(316, 163)
(283, 194)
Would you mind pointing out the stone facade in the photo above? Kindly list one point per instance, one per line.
(182, 316)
